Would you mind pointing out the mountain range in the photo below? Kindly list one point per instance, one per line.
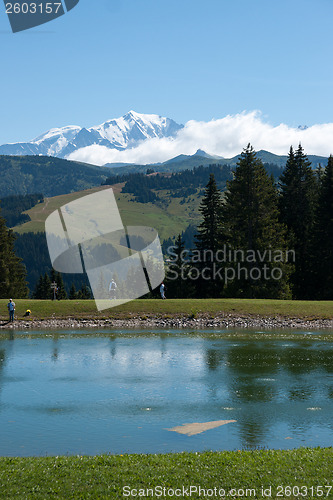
(184, 162)
(124, 133)
(118, 133)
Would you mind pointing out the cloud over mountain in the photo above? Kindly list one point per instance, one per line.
(224, 137)
(147, 138)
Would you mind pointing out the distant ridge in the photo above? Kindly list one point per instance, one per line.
(183, 162)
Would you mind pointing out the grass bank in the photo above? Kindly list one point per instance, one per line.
(301, 473)
(171, 308)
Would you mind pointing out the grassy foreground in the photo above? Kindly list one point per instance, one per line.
(147, 308)
(301, 473)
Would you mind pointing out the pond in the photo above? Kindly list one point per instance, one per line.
(91, 392)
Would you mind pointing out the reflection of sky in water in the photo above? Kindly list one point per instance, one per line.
(65, 393)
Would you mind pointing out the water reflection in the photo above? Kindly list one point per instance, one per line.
(213, 358)
(83, 392)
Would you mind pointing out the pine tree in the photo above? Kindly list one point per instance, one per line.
(253, 234)
(208, 241)
(12, 271)
(39, 288)
(84, 292)
(297, 203)
(43, 288)
(289, 201)
(72, 292)
(177, 282)
(46, 287)
(322, 264)
(61, 292)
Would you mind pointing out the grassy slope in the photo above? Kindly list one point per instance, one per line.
(169, 216)
(144, 308)
(105, 476)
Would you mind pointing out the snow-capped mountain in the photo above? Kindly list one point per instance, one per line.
(118, 133)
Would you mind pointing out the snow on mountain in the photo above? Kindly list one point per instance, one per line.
(118, 133)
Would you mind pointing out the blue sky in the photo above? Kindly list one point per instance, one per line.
(183, 59)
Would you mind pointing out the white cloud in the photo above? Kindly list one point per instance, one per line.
(224, 137)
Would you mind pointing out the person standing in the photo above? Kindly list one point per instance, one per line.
(162, 291)
(11, 309)
(112, 289)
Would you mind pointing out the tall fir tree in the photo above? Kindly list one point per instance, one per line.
(38, 288)
(322, 254)
(46, 287)
(56, 277)
(177, 282)
(12, 270)
(207, 242)
(298, 201)
(84, 292)
(72, 292)
(253, 234)
(61, 293)
(43, 288)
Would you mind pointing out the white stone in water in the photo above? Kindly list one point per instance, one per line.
(199, 427)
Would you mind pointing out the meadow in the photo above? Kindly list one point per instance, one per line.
(172, 308)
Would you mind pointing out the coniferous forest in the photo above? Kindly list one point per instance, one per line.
(261, 235)
(261, 238)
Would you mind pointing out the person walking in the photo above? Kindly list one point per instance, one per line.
(11, 309)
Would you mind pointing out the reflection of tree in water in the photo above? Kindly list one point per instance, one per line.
(253, 430)
(254, 359)
(163, 339)
(213, 358)
(113, 346)
(2, 364)
(249, 365)
(251, 390)
(303, 359)
(253, 364)
(330, 392)
(301, 392)
(55, 351)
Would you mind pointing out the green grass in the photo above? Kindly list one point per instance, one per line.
(84, 309)
(105, 476)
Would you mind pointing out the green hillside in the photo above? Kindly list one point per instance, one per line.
(169, 216)
(50, 176)
(167, 202)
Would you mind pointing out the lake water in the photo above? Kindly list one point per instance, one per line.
(92, 392)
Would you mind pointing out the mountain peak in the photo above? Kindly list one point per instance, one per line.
(203, 154)
(132, 114)
(118, 133)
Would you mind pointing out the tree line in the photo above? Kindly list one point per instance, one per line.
(51, 286)
(46, 174)
(12, 207)
(182, 184)
(261, 238)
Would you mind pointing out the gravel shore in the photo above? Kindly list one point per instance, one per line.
(225, 321)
